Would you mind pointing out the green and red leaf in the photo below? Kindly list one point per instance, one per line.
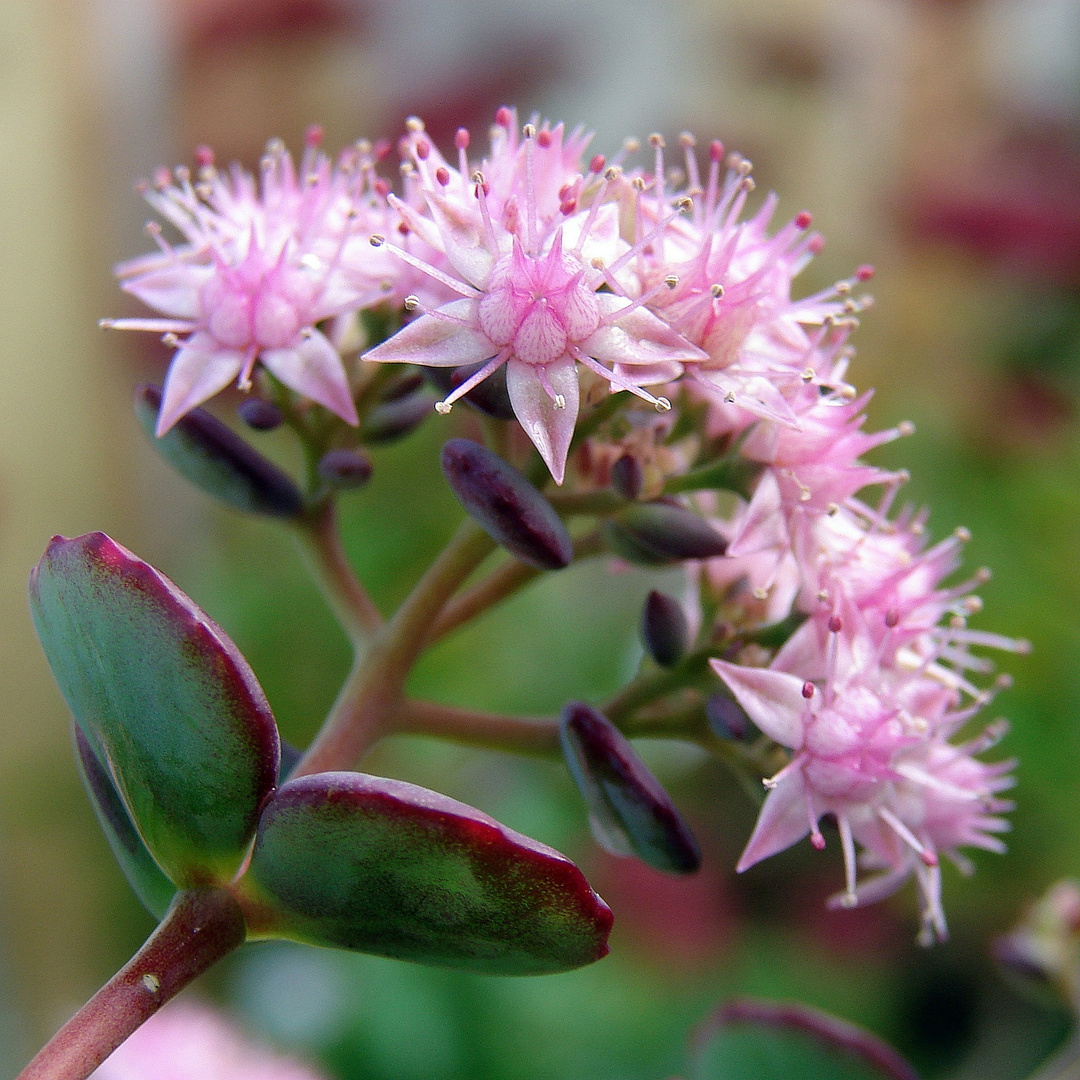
(165, 701)
(385, 867)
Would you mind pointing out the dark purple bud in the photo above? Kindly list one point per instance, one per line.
(672, 532)
(627, 477)
(490, 397)
(401, 386)
(506, 505)
(395, 419)
(624, 544)
(726, 717)
(213, 457)
(260, 415)
(630, 813)
(664, 629)
(345, 468)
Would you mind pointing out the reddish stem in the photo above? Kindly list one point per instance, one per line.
(200, 927)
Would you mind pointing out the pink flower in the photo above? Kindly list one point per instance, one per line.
(189, 1041)
(528, 266)
(259, 269)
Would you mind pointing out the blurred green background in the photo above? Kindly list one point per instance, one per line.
(937, 140)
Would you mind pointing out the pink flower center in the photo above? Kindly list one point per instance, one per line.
(261, 314)
(539, 304)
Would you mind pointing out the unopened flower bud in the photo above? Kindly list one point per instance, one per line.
(624, 544)
(630, 813)
(672, 532)
(628, 477)
(214, 458)
(726, 718)
(664, 628)
(395, 419)
(506, 505)
(401, 386)
(345, 468)
(258, 414)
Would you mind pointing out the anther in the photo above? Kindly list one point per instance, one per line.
(962, 534)
(905, 428)
(382, 188)
(638, 183)
(729, 397)
(442, 174)
(761, 593)
(836, 624)
(808, 375)
(412, 302)
(957, 622)
(744, 167)
(832, 509)
(423, 149)
(596, 166)
(716, 150)
(632, 145)
(803, 220)
(529, 131)
(748, 184)
(716, 290)
(808, 690)
(656, 141)
(983, 575)
(543, 139)
(663, 405)
(377, 240)
(612, 172)
(558, 401)
(671, 281)
(503, 117)
(170, 340)
(823, 596)
(687, 140)
(461, 139)
(204, 157)
(414, 124)
(892, 618)
(313, 137)
(442, 408)
(864, 273)
(843, 287)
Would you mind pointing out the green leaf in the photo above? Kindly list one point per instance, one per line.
(144, 875)
(763, 1040)
(165, 700)
(214, 458)
(385, 867)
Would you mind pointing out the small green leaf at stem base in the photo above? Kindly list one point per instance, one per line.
(385, 867)
(165, 701)
(767, 1040)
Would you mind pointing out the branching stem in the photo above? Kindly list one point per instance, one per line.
(200, 927)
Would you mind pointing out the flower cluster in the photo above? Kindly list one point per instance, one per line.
(580, 277)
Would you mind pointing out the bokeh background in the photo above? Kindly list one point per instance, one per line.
(938, 139)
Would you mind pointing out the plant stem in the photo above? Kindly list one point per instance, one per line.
(320, 543)
(652, 685)
(501, 583)
(514, 734)
(200, 927)
(375, 686)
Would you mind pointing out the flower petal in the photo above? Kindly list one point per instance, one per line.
(549, 428)
(449, 337)
(638, 337)
(198, 371)
(463, 240)
(315, 370)
(172, 289)
(772, 699)
(783, 821)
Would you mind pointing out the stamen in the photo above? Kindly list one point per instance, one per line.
(847, 843)
(378, 240)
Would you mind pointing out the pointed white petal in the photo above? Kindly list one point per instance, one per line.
(315, 370)
(783, 821)
(772, 699)
(172, 289)
(638, 337)
(449, 337)
(198, 371)
(549, 428)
